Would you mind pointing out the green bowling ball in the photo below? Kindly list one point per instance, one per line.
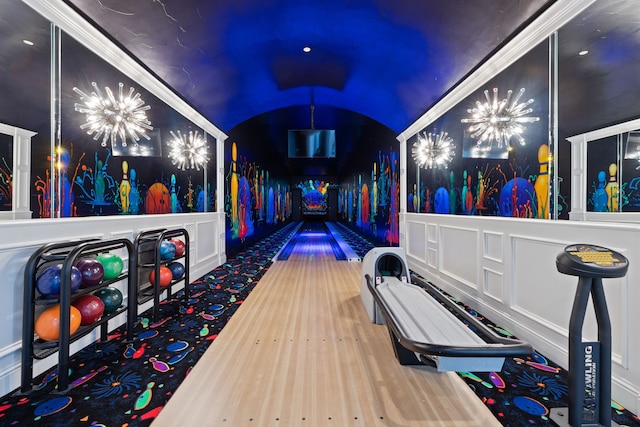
(111, 297)
(112, 264)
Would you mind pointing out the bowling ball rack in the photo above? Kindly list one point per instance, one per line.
(67, 253)
(149, 254)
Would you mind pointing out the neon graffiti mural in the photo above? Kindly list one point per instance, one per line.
(6, 185)
(373, 205)
(488, 191)
(96, 187)
(314, 196)
(63, 198)
(252, 198)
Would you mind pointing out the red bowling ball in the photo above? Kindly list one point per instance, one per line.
(165, 276)
(90, 307)
(180, 246)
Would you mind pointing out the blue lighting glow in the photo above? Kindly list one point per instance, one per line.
(371, 61)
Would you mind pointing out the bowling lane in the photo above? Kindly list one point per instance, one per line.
(300, 351)
(312, 239)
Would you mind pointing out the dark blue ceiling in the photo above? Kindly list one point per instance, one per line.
(233, 60)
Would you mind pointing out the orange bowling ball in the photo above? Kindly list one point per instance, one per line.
(48, 323)
(158, 200)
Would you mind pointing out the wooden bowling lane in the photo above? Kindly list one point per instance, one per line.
(300, 351)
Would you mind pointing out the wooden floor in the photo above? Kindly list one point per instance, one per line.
(301, 351)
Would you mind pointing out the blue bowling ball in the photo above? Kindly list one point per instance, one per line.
(48, 281)
(177, 270)
(516, 198)
(167, 250)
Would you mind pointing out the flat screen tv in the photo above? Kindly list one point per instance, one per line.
(144, 147)
(471, 150)
(311, 143)
(632, 150)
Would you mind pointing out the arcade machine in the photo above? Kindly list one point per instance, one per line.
(589, 362)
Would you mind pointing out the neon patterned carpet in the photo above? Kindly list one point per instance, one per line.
(526, 389)
(121, 384)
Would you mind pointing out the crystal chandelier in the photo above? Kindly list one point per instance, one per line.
(188, 151)
(112, 117)
(433, 150)
(497, 121)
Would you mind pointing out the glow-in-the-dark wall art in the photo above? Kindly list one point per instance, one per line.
(252, 198)
(371, 200)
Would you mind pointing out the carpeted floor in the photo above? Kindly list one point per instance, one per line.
(121, 384)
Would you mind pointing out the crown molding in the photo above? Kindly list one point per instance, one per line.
(68, 20)
(548, 22)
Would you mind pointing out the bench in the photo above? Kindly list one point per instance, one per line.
(424, 329)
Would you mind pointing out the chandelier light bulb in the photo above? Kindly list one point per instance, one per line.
(188, 151)
(433, 150)
(112, 118)
(498, 121)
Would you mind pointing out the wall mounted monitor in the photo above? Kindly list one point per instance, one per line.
(471, 149)
(144, 148)
(632, 149)
(311, 143)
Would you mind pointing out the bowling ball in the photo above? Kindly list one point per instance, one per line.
(112, 265)
(516, 198)
(180, 246)
(177, 270)
(111, 298)
(48, 281)
(90, 307)
(47, 325)
(167, 250)
(158, 200)
(92, 271)
(165, 276)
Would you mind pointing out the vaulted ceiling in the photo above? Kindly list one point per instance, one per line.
(234, 60)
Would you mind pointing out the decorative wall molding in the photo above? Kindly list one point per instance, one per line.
(68, 20)
(493, 246)
(21, 170)
(525, 293)
(558, 14)
(493, 284)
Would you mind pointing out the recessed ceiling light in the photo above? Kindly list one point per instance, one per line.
(306, 49)
(583, 52)
(27, 42)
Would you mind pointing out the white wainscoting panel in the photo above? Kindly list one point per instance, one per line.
(432, 233)
(432, 258)
(459, 254)
(205, 245)
(416, 241)
(537, 287)
(493, 285)
(505, 268)
(493, 246)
